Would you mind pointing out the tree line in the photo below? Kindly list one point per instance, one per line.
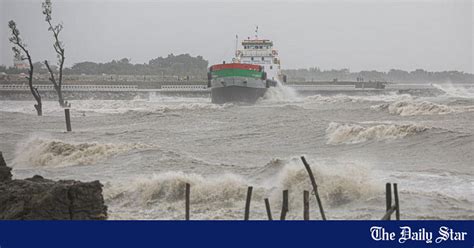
(172, 65)
(393, 75)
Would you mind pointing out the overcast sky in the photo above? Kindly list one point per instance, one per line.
(359, 35)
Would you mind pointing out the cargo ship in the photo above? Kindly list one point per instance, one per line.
(254, 69)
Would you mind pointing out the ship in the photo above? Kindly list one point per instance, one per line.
(254, 69)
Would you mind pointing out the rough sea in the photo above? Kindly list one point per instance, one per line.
(145, 150)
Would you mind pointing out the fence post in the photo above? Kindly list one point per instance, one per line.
(188, 189)
(68, 120)
(269, 211)
(306, 205)
(315, 187)
(397, 205)
(284, 206)
(247, 203)
(388, 197)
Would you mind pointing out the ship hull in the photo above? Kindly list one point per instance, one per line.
(235, 93)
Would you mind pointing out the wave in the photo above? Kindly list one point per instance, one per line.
(280, 93)
(94, 107)
(411, 108)
(222, 196)
(169, 187)
(455, 91)
(338, 184)
(357, 99)
(352, 133)
(117, 107)
(44, 152)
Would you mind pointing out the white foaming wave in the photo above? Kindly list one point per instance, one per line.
(338, 133)
(456, 90)
(412, 108)
(356, 99)
(170, 187)
(280, 93)
(338, 184)
(83, 107)
(48, 152)
(114, 107)
(222, 196)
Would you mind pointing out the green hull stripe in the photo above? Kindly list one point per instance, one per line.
(236, 73)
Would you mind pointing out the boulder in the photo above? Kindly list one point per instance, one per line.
(5, 172)
(38, 198)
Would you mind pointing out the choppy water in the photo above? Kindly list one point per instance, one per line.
(144, 151)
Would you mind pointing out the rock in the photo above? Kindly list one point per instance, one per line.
(38, 198)
(5, 172)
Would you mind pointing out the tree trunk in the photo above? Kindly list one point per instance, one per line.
(34, 90)
(60, 97)
(39, 109)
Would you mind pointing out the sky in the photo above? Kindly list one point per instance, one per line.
(359, 34)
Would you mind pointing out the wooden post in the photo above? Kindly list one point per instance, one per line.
(284, 206)
(247, 203)
(269, 211)
(306, 205)
(397, 205)
(68, 120)
(315, 187)
(388, 197)
(188, 189)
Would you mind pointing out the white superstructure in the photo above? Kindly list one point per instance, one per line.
(260, 52)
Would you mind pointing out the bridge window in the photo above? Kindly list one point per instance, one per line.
(263, 58)
(251, 58)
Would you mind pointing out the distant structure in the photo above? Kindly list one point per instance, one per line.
(20, 64)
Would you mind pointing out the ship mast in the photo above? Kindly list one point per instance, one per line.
(256, 32)
(236, 45)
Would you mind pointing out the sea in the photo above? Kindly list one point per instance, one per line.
(145, 150)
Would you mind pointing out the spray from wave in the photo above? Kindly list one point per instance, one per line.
(280, 93)
(338, 133)
(44, 152)
(411, 108)
(456, 90)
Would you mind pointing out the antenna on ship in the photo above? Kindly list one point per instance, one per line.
(236, 44)
(256, 32)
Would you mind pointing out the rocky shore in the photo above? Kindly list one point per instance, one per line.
(38, 198)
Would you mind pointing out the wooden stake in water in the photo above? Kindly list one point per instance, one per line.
(306, 205)
(284, 206)
(247, 203)
(397, 205)
(269, 211)
(315, 187)
(188, 189)
(388, 197)
(68, 120)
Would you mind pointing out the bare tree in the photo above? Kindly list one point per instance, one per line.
(19, 48)
(59, 48)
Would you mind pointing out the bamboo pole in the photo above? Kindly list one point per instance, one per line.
(188, 189)
(247, 203)
(306, 205)
(269, 211)
(315, 187)
(397, 205)
(284, 206)
(388, 197)
(389, 213)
